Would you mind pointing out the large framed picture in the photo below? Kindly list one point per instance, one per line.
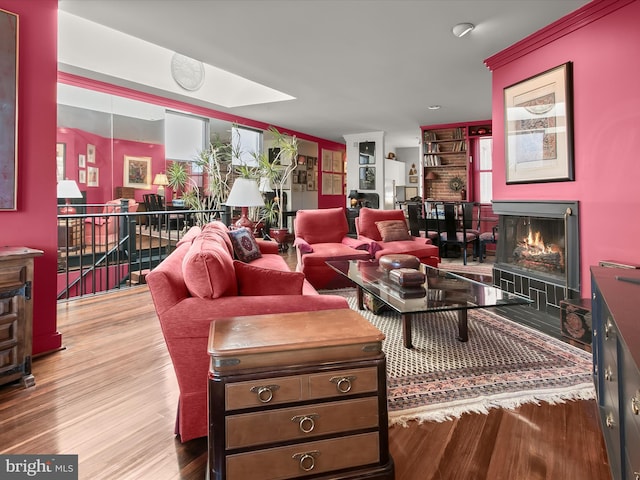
(8, 110)
(137, 172)
(538, 128)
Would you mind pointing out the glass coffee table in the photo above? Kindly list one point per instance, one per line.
(441, 291)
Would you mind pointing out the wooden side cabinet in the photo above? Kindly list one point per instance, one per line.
(616, 362)
(298, 395)
(16, 312)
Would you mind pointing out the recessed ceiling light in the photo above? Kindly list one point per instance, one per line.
(434, 107)
(461, 29)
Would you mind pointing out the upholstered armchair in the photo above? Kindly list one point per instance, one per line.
(388, 232)
(321, 235)
(105, 231)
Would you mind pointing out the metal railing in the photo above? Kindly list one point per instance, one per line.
(99, 252)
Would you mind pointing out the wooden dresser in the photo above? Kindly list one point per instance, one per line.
(296, 395)
(16, 311)
(616, 362)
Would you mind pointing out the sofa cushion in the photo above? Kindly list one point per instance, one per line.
(368, 217)
(244, 245)
(254, 280)
(190, 236)
(219, 230)
(325, 225)
(393, 230)
(207, 268)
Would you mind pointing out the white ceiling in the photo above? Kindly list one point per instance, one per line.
(353, 66)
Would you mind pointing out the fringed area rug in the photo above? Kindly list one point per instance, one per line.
(503, 365)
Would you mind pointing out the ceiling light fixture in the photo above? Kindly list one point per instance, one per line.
(461, 29)
(434, 107)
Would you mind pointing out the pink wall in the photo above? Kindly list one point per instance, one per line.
(601, 40)
(34, 223)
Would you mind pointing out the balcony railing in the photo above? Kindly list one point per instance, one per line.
(99, 252)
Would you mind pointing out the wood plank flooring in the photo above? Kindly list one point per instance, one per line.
(110, 397)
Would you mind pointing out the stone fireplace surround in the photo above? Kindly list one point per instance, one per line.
(546, 291)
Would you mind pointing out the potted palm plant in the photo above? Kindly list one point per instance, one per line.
(277, 173)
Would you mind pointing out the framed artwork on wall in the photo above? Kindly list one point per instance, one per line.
(61, 156)
(82, 161)
(82, 176)
(91, 153)
(93, 179)
(137, 172)
(367, 178)
(8, 112)
(538, 128)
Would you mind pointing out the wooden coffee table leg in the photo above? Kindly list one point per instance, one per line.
(463, 330)
(406, 330)
(359, 296)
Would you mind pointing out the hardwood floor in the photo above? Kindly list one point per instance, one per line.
(110, 396)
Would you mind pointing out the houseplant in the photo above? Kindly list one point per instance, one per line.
(277, 173)
(215, 164)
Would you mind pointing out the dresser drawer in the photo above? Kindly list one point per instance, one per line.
(611, 432)
(310, 458)
(305, 421)
(267, 391)
(13, 277)
(278, 390)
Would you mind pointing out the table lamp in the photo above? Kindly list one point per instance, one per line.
(244, 194)
(68, 189)
(161, 180)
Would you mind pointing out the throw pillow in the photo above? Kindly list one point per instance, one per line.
(244, 245)
(393, 230)
(254, 280)
(207, 269)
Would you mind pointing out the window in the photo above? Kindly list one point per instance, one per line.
(184, 136)
(246, 143)
(484, 172)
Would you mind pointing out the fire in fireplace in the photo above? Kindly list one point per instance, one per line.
(537, 244)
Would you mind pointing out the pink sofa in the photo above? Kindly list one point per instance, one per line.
(368, 231)
(321, 235)
(200, 282)
(104, 231)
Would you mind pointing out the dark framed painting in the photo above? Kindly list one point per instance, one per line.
(8, 112)
(367, 178)
(539, 128)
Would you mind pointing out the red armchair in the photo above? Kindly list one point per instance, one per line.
(105, 231)
(321, 235)
(369, 232)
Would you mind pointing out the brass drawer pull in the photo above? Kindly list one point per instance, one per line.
(343, 384)
(610, 422)
(265, 392)
(607, 328)
(306, 423)
(635, 404)
(608, 374)
(637, 475)
(306, 460)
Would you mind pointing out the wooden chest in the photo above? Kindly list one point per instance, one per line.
(296, 395)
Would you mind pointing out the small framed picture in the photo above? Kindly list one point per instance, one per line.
(82, 176)
(82, 160)
(91, 153)
(93, 177)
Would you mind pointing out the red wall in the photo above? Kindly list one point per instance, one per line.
(601, 40)
(34, 223)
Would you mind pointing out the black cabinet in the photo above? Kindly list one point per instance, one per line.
(616, 357)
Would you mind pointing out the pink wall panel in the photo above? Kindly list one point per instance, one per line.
(606, 145)
(34, 223)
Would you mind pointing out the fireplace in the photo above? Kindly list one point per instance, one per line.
(538, 254)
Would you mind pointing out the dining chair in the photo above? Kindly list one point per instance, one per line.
(452, 229)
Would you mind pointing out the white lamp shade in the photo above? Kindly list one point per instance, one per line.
(161, 179)
(68, 189)
(245, 193)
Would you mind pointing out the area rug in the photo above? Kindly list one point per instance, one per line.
(502, 365)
